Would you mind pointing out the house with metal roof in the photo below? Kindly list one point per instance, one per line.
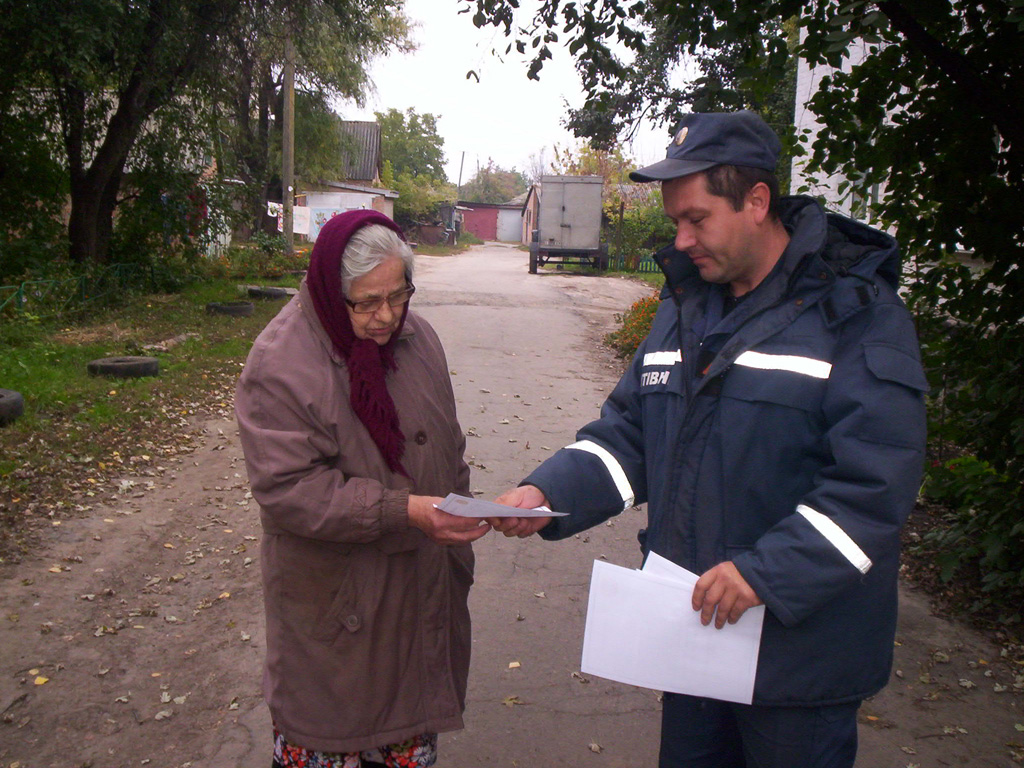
(359, 186)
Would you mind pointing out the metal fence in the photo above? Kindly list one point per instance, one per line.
(621, 263)
(55, 298)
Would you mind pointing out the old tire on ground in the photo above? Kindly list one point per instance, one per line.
(12, 405)
(268, 292)
(129, 367)
(233, 308)
(533, 258)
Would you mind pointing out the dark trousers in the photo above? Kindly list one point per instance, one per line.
(704, 733)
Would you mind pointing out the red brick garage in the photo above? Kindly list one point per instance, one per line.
(484, 220)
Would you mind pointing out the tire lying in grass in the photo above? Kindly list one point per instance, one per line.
(232, 308)
(12, 405)
(268, 293)
(130, 367)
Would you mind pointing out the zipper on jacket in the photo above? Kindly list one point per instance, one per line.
(683, 361)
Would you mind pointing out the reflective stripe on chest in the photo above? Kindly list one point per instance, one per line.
(808, 366)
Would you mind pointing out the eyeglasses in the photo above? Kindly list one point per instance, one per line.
(369, 306)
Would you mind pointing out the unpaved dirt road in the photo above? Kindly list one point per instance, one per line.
(134, 635)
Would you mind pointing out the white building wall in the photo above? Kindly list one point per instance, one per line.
(347, 201)
(851, 201)
(324, 206)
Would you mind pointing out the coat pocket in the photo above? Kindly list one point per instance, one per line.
(892, 363)
(774, 388)
(348, 592)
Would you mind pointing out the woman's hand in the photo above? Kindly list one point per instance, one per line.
(441, 527)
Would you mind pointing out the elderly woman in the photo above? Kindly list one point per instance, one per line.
(348, 424)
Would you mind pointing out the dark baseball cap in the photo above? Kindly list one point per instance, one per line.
(706, 139)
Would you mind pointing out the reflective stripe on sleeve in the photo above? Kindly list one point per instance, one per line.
(663, 358)
(614, 469)
(808, 366)
(837, 537)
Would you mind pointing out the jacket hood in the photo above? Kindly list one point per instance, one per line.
(846, 246)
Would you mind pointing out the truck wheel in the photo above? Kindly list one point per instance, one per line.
(124, 367)
(533, 259)
(12, 405)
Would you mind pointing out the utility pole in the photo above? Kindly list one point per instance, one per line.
(288, 145)
(458, 194)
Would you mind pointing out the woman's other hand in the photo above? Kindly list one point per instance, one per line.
(441, 527)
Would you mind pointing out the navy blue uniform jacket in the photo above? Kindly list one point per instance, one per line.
(787, 436)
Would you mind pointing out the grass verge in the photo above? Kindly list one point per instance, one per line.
(79, 433)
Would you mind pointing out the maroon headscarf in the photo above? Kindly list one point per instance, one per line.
(368, 362)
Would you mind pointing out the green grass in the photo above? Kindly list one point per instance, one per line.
(80, 432)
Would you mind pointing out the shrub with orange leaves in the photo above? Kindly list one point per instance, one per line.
(636, 324)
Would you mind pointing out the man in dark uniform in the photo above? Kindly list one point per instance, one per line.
(774, 423)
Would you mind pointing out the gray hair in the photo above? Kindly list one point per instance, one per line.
(369, 247)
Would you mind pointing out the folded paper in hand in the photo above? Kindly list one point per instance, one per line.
(466, 507)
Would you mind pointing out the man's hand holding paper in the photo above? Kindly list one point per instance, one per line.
(521, 512)
(524, 497)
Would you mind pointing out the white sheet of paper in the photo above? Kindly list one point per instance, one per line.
(463, 506)
(656, 565)
(642, 630)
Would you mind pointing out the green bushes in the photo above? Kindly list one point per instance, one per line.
(263, 258)
(983, 528)
(973, 351)
(638, 231)
(59, 289)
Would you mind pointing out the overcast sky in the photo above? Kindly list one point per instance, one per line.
(504, 116)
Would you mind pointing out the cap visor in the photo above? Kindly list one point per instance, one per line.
(670, 168)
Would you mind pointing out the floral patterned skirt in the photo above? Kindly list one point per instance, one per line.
(417, 752)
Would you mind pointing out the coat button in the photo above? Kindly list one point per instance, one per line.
(421, 437)
(352, 622)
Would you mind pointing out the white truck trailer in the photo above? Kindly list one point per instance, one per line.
(568, 222)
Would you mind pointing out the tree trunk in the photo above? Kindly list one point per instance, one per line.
(91, 224)
(95, 188)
